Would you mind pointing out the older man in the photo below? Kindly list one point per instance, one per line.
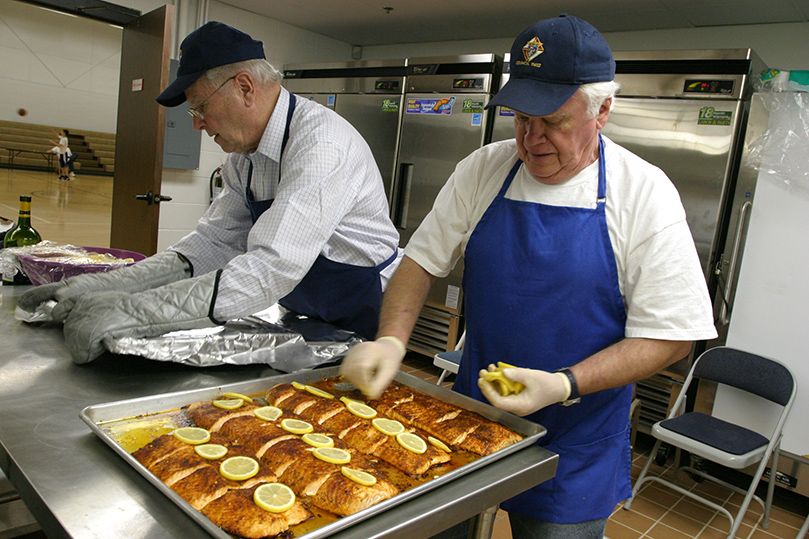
(302, 219)
(580, 270)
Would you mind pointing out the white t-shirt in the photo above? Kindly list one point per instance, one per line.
(659, 272)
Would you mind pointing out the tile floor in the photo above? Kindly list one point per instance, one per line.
(78, 212)
(658, 513)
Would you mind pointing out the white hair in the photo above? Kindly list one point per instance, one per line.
(260, 69)
(595, 94)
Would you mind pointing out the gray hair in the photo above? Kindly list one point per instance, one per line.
(260, 69)
(595, 93)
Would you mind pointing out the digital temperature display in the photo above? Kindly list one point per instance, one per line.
(467, 83)
(705, 86)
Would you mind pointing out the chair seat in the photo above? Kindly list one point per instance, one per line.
(716, 433)
(448, 360)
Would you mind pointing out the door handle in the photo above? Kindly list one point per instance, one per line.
(724, 315)
(403, 195)
(152, 198)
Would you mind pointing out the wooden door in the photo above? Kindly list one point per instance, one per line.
(140, 133)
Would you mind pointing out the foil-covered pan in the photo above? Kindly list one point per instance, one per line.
(105, 417)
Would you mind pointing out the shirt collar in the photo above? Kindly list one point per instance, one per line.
(272, 139)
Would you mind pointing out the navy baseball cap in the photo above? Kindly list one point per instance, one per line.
(212, 45)
(549, 61)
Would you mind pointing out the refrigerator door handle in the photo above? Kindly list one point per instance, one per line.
(403, 195)
(724, 314)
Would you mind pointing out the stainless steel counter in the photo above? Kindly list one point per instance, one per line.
(76, 486)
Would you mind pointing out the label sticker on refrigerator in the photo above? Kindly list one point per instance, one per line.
(472, 106)
(331, 100)
(711, 116)
(416, 105)
(477, 119)
(390, 105)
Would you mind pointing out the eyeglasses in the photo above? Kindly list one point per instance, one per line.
(197, 112)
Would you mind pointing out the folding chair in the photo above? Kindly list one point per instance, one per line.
(720, 441)
(451, 360)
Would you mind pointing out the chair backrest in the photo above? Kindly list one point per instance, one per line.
(461, 341)
(753, 373)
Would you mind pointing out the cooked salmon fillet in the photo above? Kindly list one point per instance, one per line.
(157, 450)
(322, 410)
(203, 486)
(364, 437)
(300, 401)
(488, 436)
(206, 415)
(277, 394)
(284, 453)
(344, 497)
(177, 465)
(405, 460)
(341, 423)
(255, 434)
(236, 514)
(307, 474)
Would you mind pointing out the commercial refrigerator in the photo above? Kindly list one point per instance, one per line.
(687, 112)
(503, 117)
(443, 121)
(366, 93)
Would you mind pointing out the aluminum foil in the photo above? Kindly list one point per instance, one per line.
(280, 339)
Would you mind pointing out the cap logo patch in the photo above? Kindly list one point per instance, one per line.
(532, 49)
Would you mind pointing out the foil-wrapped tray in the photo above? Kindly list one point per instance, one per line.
(109, 420)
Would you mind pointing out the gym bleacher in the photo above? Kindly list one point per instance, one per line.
(27, 146)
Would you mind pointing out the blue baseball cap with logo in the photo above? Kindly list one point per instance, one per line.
(549, 61)
(211, 45)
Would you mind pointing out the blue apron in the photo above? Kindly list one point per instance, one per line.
(541, 288)
(344, 295)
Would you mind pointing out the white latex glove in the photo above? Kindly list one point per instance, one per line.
(371, 365)
(541, 389)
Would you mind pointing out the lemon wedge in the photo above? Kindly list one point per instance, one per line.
(192, 435)
(412, 442)
(238, 468)
(358, 476)
(268, 413)
(230, 395)
(211, 451)
(317, 440)
(228, 404)
(391, 427)
(318, 392)
(332, 455)
(274, 497)
(439, 444)
(362, 410)
(296, 426)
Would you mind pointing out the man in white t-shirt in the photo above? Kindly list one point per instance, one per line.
(579, 269)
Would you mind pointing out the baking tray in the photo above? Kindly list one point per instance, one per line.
(101, 416)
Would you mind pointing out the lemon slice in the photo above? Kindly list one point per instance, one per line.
(268, 413)
(211, 451)
(230, 395)
(274, 497)
(411, 442)
(391, 427)
(318, 392)
(228, 404)
(346, 400)
(238, 468)
(362, 410)
(439, 444)
(296, 426)
(332, 455)
(358, 476)
(317, 440)
(192, 435)
(298, 385)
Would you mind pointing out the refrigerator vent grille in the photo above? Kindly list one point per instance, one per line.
(436, 331)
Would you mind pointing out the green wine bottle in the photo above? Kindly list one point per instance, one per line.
(20, 235)
(23, 234)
